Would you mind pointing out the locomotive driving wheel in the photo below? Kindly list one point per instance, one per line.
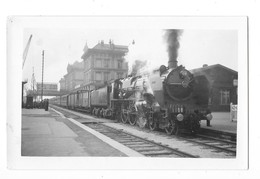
(172, 127)
(132, 115)
(141, 120)
(153, 122)
(124, 116)
(132, 119)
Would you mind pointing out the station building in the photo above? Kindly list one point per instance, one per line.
(103, 63)
(222, 84)
(73, 78)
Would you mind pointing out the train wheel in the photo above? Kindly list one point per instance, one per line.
(124, 116)
(94, 111)
(153, 124)
(97, 112)
(101, 113)
(117, 116)
(108, 113)
(172, 128)
(132, 119)
(104, 113)
(141, 120)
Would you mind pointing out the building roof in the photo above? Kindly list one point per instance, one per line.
(76, 65)
(198, 70)
(101, 46)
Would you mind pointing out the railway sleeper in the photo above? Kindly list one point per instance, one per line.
(125, 141)
(138, 145)
(134, 143)
(160, 152)
(148, 149)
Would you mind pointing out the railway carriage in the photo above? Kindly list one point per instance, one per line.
(100, 101)
(63, 100)
(71, 101)
(82, 102)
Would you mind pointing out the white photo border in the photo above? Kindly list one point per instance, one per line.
(15, 28)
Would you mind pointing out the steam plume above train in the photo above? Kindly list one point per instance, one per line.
(137, 67)
(172, 37)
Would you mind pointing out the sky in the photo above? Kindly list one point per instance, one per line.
(63, 46)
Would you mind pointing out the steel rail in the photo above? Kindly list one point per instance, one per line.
(173, 150)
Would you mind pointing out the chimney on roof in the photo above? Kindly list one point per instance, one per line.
(111, 44)
(102, 42)
(205, 65)
(85, 47)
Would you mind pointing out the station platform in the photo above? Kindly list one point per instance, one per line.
(46, 133)
(221, 122)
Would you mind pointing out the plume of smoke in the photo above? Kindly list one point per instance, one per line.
(137, 66)
(172, 37)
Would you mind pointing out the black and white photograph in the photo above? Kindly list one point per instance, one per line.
(128, 92)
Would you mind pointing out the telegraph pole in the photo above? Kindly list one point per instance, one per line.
(42, 71)
(32, 80)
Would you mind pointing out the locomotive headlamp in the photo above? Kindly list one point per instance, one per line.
(209, 117)
(180, 117)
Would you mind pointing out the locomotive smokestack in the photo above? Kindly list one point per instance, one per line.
(172, 39)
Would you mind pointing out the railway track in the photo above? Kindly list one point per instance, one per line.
(145, 147)
(219, 134)
(218, 144)
(211, 142)
(155, 149)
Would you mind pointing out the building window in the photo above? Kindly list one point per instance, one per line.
(86, 78)
(106, 76)
(98, 62)
(119, 64)
(224, 97)
(112, 63)
(86, 64)
(98, 76)
(106, 63)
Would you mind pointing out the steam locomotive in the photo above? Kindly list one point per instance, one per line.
(170, 98)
